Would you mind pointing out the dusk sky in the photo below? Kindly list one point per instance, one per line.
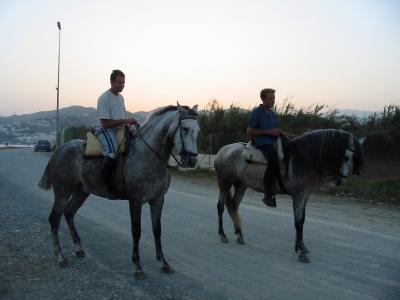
(345, 54)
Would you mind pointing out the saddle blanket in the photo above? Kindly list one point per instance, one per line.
(94, 148)
(251, 153)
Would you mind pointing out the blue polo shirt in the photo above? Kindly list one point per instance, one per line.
(262, 119)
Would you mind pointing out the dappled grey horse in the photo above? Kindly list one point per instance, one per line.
(310, 159)
(140, 176)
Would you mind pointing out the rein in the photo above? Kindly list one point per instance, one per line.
(152, 150)
(183, 144)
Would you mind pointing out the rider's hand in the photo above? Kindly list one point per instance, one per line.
(287, 134)
(273, 132)
(131, 121)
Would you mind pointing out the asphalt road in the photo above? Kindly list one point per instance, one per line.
(354, 246)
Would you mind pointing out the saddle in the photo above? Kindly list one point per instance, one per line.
(252, 154)
(94, 148)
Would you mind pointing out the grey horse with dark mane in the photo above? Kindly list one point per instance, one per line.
(310, 159)
(141, 176)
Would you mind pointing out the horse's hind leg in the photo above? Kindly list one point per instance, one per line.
(156, 207)
(77, 200)
(232, 205)
(224, 196)
(240, 189)
(60, 203)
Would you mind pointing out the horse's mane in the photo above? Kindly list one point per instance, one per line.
(322, 151)
(164, 109)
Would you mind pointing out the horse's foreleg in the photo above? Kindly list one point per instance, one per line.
(135, 209)
(77, 200)
(60, 203)
(156, 207)
(299, 209)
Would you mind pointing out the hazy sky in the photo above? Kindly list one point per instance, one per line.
(342, 53)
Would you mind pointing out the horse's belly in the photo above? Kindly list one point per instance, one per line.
(149, 190)
(252, 175)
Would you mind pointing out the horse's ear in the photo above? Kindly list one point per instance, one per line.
(361, 140)
(195, 108)
(180, 107)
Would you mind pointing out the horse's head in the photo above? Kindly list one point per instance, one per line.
(326, 153)
(185, 139)
(352, 159)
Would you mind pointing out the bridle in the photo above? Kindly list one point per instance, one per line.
(188, 117)
(192, 117)
(340, 171)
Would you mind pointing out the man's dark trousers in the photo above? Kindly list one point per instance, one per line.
(272, 171)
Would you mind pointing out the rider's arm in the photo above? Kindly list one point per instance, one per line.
(107, 123)
(252, 132)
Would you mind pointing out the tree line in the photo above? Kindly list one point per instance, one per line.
(220, 126)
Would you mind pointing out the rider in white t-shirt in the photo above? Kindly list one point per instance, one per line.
(111, 115)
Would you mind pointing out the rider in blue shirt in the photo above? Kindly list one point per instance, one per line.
(263, 130)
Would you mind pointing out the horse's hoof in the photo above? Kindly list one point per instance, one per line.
(167, 269)
(80, 253)
(63, 263)
(240, 240)
(224, 239)
(304, 258)
(140, 275)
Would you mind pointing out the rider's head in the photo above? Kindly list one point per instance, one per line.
(117, 80)
(268, 97)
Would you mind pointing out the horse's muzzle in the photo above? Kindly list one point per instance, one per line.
(188, 160)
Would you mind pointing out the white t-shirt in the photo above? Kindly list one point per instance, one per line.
(110, 107)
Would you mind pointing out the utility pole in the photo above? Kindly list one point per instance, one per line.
(209, 154)
(58, 86)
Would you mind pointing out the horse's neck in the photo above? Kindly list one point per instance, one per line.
(317, 154)
(158, 133)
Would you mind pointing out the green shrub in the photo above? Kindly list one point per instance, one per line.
(75, 132)
(387, 191)
(220, 126)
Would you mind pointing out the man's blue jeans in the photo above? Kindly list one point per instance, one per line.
(108, 138)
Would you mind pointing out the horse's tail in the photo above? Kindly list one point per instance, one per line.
(44, 182)
(230, 207)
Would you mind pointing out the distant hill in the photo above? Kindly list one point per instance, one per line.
(71, 116)
(28, 128)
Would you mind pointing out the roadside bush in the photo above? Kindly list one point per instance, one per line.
(386, 191)
(75, 132)
(220, 126)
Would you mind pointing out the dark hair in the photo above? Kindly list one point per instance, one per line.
(116, 73)
(264, 92)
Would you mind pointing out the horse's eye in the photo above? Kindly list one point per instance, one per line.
(185, 129)
(346, 158)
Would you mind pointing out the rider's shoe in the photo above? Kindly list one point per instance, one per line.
(269, 200)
